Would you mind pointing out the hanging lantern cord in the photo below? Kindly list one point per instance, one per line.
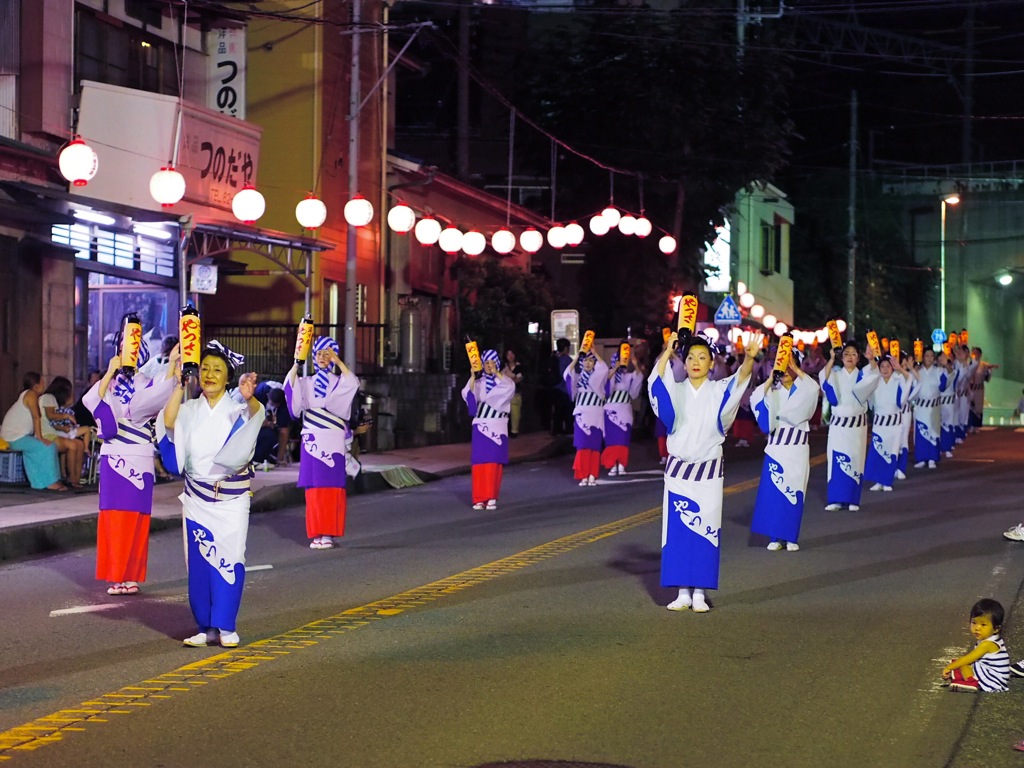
(511, 155)
(640, 183)
(611, 188)
(554, 169)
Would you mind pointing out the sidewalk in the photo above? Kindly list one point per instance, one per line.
(32, 522)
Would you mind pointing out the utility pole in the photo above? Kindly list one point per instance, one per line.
(462, 79)
(351, 286)
(851, 231)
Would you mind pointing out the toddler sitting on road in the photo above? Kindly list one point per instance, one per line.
(987, 667)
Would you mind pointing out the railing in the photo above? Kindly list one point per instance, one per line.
(268, 349)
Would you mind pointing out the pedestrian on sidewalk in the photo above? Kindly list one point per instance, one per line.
(847, 389)
(987, 666)
(927, 417)
(585, 381)
(561, 417)
(22, 431)
(488, 395)
(211, 440)
(697, 412)
(622, 388)
(325, 404)
(124, 407)
(884, 442)
(784, 410)
(514, 371)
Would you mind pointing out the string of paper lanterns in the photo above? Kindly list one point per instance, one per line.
(78, 163)
(757, 312)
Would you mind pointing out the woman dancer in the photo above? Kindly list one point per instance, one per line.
(885, 441)
(927, 417)
(211, 440)
(488, 398)
(847, 390)
(325, 403)
(124, 408)
(585, 379)
(697, 412)
(783, 413)
(623, 387)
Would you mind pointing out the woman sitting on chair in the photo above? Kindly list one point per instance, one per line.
(22, 429)
(60, 427)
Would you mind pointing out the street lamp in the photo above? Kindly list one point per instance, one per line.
(947, 200)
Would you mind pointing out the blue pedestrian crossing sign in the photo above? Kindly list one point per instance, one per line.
(938, 336)
(728, 313)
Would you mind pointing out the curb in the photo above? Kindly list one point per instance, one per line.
(64, 535)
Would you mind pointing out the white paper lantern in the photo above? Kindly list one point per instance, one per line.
(747, 300)
(401, 218)
(735, 334)
(311, 213)
(769, 321)
(780, 329)
(77, 162)
(711, 332)
(427, 230)
(450, 240)
(821, 335)
(643, 227)
(841, 325)
(531, 240)
(358, 211)
(503, 241)
(473, 243)
(667, 244)
(556, 236)
(167, 186)
(741, 288)
(611, 215)
(248, 204)
(627, 225)
(599, 225)
(573, 234)
(757, 311)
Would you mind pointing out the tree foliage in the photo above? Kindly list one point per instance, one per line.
(497, 304)
(666, 94)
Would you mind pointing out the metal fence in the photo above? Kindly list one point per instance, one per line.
(268, 349)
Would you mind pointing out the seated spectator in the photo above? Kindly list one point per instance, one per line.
(83, 416)
(272, 442)
(22, 429)
(59, 426)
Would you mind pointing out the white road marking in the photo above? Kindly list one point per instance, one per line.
(251, 568)
(87, 609)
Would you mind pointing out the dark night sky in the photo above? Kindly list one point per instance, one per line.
(909, 112)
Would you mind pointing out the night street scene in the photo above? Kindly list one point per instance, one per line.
(512, 383)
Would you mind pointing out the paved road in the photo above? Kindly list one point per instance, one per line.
(439, 636)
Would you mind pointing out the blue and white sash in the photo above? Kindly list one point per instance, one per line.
(129, 434)
(321, 418)
(230, 487)
(787, 436)
(619, 396)
(485, 411)
(849, 422)
(685, 470)
(888, 420)
(589, 398)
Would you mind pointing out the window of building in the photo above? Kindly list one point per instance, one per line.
(128, 251)
(771, 248)
(121, 55)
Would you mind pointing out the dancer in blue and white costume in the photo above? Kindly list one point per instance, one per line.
(885, 442)
(907, 416)
(966, 367)
(783, 412)
(697, 412)
(927, 417)
(211, 440)
(847, 390)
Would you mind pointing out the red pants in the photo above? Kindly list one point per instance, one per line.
(122, 545)
(744, 429)
(325, 512)
(587, 463)
(663, 447)
(486, 482)
(615, 454)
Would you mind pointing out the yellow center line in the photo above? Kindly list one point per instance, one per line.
(50, 728)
